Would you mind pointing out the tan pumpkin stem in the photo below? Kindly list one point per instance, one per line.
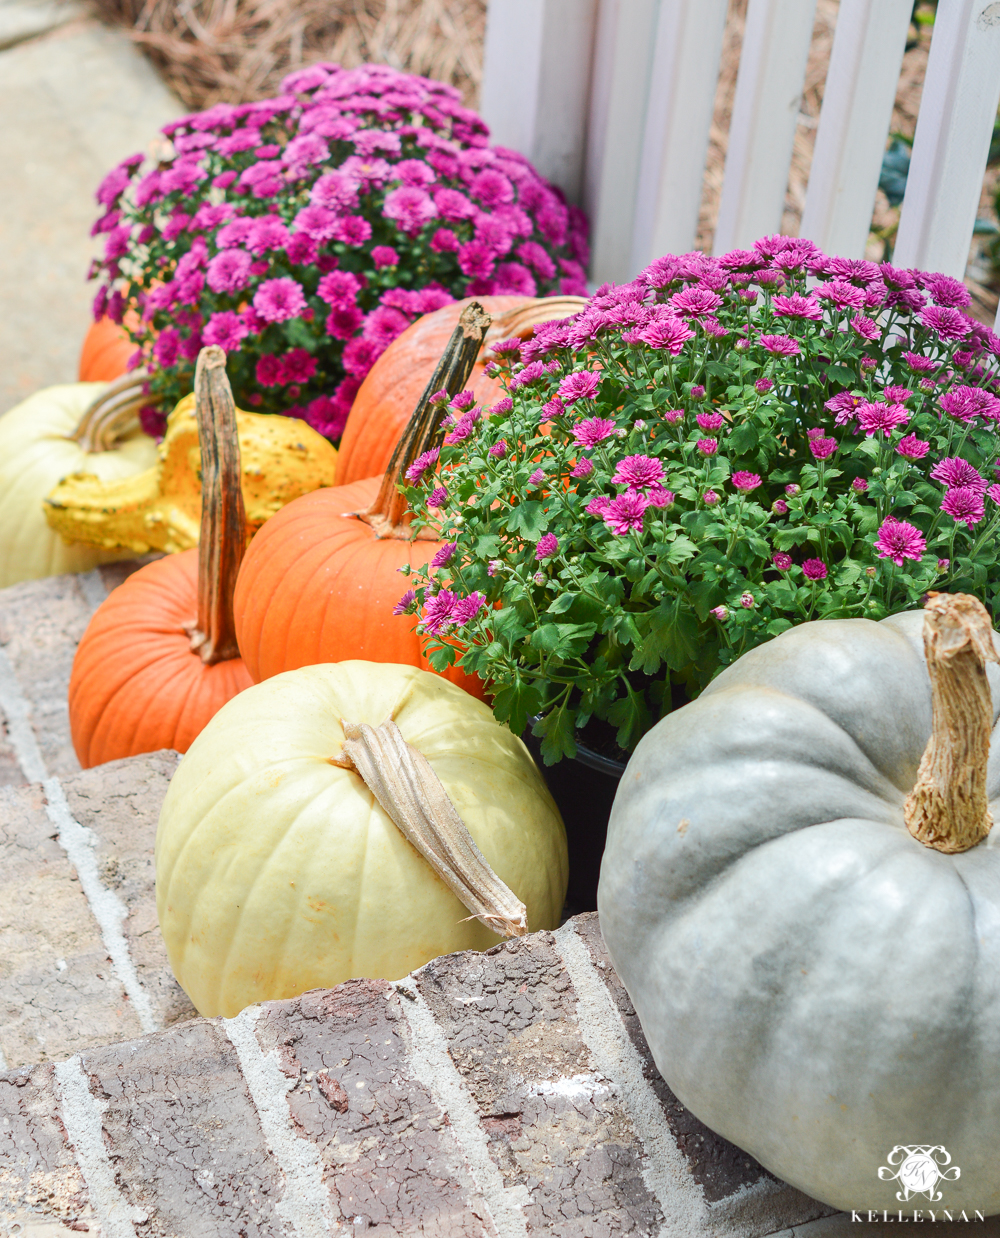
(402, 780)
(947, 808)
(113, 413)
(223, 518)
(388, 514)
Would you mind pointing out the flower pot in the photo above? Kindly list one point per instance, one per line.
(583, 788)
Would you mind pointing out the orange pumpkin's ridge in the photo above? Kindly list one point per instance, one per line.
(105, 353)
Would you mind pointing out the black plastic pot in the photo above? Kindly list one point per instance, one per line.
(584, 789)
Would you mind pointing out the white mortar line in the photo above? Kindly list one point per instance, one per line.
(305, 1204)
(92, 587)
(433, 1066)
(78, 843)
(81, 1115)
(665, 1168)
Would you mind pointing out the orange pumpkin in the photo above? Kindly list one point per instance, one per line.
(159, 658)
(105, 353)
(320, 579)
(393, 385)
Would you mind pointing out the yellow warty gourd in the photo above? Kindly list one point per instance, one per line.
(160, 509)
(42, 440)
(278, 870)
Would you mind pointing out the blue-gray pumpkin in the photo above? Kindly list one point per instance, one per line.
(817, 983)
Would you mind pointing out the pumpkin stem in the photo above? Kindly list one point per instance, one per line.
(402, 780)
(113, 413)
(947, 808)
(223, 536)
(388, 514)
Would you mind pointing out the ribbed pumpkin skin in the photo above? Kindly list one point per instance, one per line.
(278, 872)
(36, 455)
(315, 587)
(105, 353)
(396, 382)
(136, 685)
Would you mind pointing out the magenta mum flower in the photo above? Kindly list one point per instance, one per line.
(467, 608)
(439, 611)
(278, 300)
(796, 306)
(707, 446)
(581, 385)
(873, 417)
(419, 467)
(437, 497)
(955, 471)
(912, 448)
(405, 603)
(866, 327)
(659, 497)
(949, 324)
(814, 569)
(859, 485)
(744, 481)
(226, 329)
(763, 386)
(409, 208)
(638, 472)
(443, 555)
(536, 478)
(229, 271)
(822, 448)
(781, 561)
(710, 498)
(668, 333)
(779, 507)
(548, 545)
(582, 468)
(898, 540)
(709, 421)
(780, 345)
(593, 431)
(964, 504)
(625, 512)
(598, 505)
(499, 449)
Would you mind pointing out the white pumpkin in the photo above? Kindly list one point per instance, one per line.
(36, 453)
(816, 984)
(278, 871)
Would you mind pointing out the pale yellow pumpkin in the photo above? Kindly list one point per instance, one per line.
(160, 509)
(37, 451)
(278, 872)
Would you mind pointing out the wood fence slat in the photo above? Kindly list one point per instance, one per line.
(536, 83)
(620, 87)
(861, 84)
(951, 143)
(765, 113)
(686, 56)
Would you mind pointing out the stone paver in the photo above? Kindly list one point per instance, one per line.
(72, 104)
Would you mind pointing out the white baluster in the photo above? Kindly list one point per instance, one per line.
(765, 113)
(686, 58)
(951, 143)
(860, 90)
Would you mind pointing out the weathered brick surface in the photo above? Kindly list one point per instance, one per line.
(183, 1136)
(39, 1176)
(555, 1124)
(58, 991)
(121, 803)
(41, 622)
(389, 1155)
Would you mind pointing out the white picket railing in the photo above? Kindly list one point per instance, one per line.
(612, 100)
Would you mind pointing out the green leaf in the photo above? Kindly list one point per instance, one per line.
(563, 639)
(558, 734)
(840, 374)
(299, 334)
(742, 440)
(515, 703)
(681, 549)
(529, 519)
(562, 603)
(629, 715)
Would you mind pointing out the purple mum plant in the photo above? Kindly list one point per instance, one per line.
(698, 460)
(304, 233)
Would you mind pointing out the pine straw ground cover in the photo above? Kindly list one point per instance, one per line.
(230, 51)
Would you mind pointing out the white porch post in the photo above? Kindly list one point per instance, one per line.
(765, 113)
(536, 83)
(957, 109)
(685, 72)
(857, 107)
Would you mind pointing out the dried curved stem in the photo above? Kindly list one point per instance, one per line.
(947, 808)
(388, 514)
(223, 517)
(113, 413)
(402, 780)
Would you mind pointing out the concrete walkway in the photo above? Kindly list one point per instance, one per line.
(75, 98)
